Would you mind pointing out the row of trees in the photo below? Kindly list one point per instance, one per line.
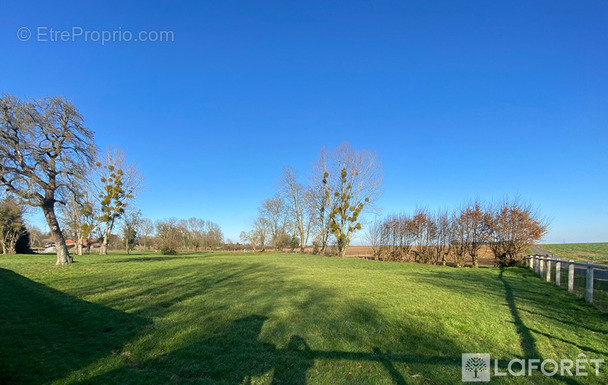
(508, 228)
(49, 158)
(187, 234)
(343, 185)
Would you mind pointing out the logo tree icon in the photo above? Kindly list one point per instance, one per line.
(475, 365)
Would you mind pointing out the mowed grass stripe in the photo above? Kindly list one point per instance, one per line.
(277, 318)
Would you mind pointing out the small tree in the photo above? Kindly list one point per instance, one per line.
(131, 223)
(12, 226)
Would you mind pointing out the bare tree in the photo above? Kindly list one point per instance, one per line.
(117, 184)
(146, 232)
(36, 236)
(276, 214)
(350, 184)
(474, 221)
(248, 238)
(44, 150)
(214, 237)
(445, 236)
(130, 226)
(298, 199)
(168, 235)
(374, 237)
(260, 232)
(78, 218)
(514, 226)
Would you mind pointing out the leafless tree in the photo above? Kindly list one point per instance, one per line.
(514, 226)
(118, 181)
(424, 231)
(78, 218)
(319, 201)
(350, 185)
(45, 150)
(146, 232)
(374, 238)
(275, 213)
(473, 219)
(168, 235)
(297, 198)
(445, 236)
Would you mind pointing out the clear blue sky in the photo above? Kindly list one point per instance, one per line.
(461, 99)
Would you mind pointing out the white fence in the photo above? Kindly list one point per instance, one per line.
(550, 269)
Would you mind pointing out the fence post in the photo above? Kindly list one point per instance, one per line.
(570, 276)
(541, 268)
(558, 272)
(589, 286)
(548, 276)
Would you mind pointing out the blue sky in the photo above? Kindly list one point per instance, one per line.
(461, 99)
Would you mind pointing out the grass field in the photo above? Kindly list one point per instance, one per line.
(279, 319)
(597, 252)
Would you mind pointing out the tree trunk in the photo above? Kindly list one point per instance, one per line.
(79, 243)
(63, 257)
(103, 250)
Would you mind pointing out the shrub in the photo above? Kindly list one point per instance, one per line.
(168, 251)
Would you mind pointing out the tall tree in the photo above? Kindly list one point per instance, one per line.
(297, 198)
(351, 184)
(130, 226)
(320, 201)
(45, 150)
(259, 232)
(118, 182)
(275, 212)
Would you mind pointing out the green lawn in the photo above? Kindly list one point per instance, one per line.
(280, 319)
(597, 252)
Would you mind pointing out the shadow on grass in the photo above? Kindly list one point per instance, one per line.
(520, 290)
(233, 323)
(237, 356)
(46, 334)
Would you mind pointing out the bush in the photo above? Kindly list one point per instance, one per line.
(167, 251)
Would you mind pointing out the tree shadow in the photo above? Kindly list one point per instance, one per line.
(528, 342)
(237, 356)
(239, 323)
(46, 334)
